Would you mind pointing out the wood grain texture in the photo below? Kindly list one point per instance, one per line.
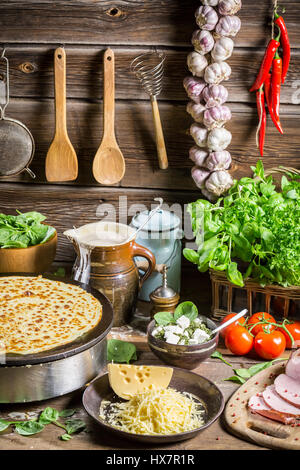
(136, 138)
(153, 22)
(31, 73)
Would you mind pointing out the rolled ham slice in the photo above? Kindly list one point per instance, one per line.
(258, 405)
(293, 366)
(274, 401)
(288, 389)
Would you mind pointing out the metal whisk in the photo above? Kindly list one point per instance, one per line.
(149, 69)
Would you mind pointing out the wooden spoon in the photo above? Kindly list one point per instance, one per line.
(109, 163)
(61, 160)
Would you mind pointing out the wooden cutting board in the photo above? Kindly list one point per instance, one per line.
(252, 427)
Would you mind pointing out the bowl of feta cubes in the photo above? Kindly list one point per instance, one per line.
(183, 338)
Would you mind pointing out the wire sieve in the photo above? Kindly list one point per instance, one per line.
(149, 69)
(16, 142)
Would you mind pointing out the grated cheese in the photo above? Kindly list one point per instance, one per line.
(155, 412)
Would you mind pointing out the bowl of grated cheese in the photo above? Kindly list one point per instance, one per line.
(189, 405)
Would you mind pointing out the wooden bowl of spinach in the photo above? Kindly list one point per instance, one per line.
(27, 244)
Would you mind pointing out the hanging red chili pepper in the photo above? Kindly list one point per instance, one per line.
(285, 43)
(261, 130)
(266, 63)
(276, 85)
(268, 96)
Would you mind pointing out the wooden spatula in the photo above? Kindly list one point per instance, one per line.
(61, 160)
(109, 163)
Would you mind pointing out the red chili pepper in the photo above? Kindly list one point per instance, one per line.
(268, 96)
(260, 102)
(266, 64)
(285, 43)
(276, 85)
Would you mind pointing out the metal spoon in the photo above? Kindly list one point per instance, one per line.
(151, 214)
(228, 322)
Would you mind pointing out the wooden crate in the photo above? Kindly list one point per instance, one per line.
(229, 298)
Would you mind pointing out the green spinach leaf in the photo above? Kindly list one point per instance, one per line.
(48, 415)
(4, 424)
(74, 426)
(120, 351)
(29, 428)
(188, 309)
(164, 318)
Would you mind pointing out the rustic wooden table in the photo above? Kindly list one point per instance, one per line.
(214, 437)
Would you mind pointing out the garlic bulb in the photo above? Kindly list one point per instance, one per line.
(211, 3)
(216, 116)
(214, 95)
(199, 134)
(217, 72)
(211, 197)
(194, 87)
(218, 182)
(228, 26)
(199, 176)
(218, 161)
(198, 156)
(222, 49)
(218, 139)
(197, 63)
(206, 17)
(202, 41)
(196, 111)
(229, 7)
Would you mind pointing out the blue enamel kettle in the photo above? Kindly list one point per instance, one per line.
(162, 235)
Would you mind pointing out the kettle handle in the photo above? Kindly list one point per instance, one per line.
(139, 250)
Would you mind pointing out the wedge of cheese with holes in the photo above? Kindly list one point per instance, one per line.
(128, 380)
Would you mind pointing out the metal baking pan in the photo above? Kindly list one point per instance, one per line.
(61, 370)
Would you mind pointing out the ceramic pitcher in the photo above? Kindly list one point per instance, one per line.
(108, 264)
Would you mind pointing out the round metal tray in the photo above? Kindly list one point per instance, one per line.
(81, 344)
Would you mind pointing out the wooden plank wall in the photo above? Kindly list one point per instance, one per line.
(31, 31)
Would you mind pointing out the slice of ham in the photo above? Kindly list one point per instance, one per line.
(274, 401)
(258, 405)
(293, 365)
(288, 389)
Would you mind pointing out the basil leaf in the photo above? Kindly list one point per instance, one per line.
(219, 355)
(236, 378)
(4, 424)
(164, 318)
(120, 351)
(74, 425)
(234, 275)
(191, 255)
(244, 373)
(65, 437)
(28, 428)
(292, 194)
(263, 365)
(67, 413)
(188, 309)
(48, 415)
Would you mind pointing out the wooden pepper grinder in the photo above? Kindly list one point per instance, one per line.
(164, 298)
